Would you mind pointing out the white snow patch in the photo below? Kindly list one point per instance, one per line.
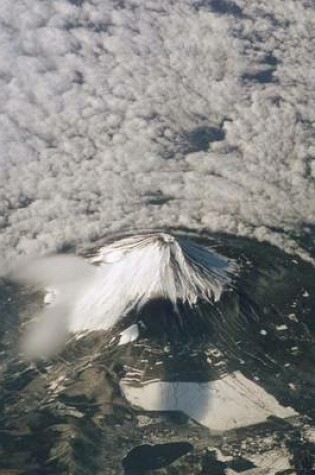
(129, 335)
(229, 403)
(82, 297)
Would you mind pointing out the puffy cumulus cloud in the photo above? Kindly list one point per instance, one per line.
(132, 114)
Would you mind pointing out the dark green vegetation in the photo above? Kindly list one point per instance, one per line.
(68, 416)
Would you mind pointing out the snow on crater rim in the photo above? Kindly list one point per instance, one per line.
(82, 296)
(137, 269)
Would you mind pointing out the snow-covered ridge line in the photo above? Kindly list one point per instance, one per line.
(83, 296)
(134, 270)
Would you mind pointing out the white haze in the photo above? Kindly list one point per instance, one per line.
(101, 102)
(65, 279)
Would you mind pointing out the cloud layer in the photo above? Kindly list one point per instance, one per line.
(130, 114)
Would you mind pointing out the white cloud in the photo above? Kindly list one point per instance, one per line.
(100, 101)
